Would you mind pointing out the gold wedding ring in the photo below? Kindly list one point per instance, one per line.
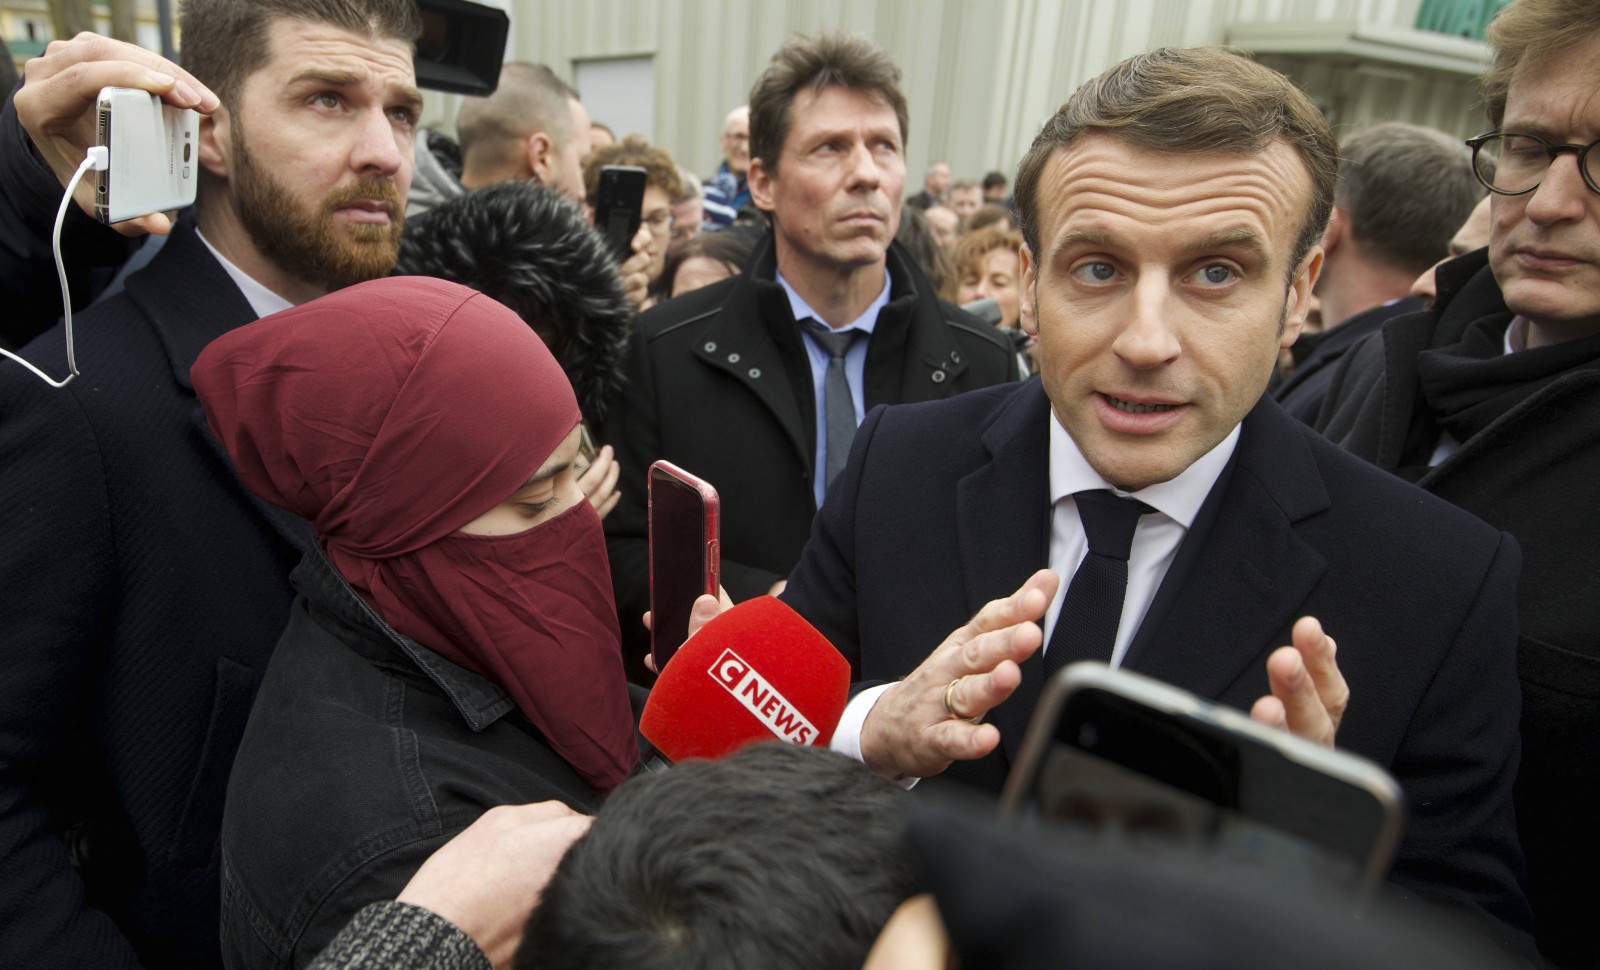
(950, 708)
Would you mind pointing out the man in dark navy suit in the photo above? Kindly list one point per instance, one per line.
(144, 586)
(1171, 212)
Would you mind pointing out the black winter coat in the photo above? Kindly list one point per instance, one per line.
(1532, 473)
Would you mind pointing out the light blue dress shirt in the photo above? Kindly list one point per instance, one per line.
(855, 369)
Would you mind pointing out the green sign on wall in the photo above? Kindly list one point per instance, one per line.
(1458, 18)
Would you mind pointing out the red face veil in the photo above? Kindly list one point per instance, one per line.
(391, 413)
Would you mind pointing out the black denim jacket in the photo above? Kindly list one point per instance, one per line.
(364, 753)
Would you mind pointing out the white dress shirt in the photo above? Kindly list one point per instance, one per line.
(1155, 540)
(1155, 544)
(261, 299)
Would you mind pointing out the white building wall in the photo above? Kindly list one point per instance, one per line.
(980, 75)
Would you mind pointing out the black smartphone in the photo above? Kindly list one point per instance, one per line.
(685, 524)
(619, 205)
(1114, 755)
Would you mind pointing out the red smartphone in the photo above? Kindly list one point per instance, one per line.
(685, 534)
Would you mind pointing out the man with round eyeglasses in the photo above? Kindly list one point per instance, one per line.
(1491, 400)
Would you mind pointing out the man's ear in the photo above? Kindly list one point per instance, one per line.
(216, 143)
(1028, 316)
(759, 180)
(540, 150)
(1297, 304)
(1338, 228)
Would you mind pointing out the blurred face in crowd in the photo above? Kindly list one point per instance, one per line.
(599, 137)
(317, 158)
(993, 277)
(656, 212)
(938, 180)
(735, 140)
(1161, 296)
(1473, 234)
(1544, 245)
(995, 193)
(835, 197)
(945, 226)
(565, 174)
(965, 201)
(688, 220)
(698, 271)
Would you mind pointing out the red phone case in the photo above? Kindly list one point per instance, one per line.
(667, 563)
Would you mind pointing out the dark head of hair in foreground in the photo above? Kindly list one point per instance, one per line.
(225, 41)
(778, 857)
(1199, 101)
(531, 249)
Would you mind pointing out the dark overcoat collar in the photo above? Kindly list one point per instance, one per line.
(755, 340)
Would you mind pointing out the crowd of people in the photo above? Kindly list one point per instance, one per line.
(327, 578)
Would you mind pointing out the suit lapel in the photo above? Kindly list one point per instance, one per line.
(1003, 525)
(1243, 579)
(190, 301)
(1403, 339)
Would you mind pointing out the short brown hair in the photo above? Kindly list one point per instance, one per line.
(659, 168)
(225, 41)
(1198, 100)
(827, 60)
(528, 98)
(1404, 190)
(1530, 31)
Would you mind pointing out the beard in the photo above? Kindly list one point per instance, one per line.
(302, 237)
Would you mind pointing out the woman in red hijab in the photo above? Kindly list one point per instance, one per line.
(454, 642)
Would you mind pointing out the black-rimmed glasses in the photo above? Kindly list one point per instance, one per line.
(1514, 164)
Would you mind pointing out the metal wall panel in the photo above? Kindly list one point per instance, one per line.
(980, 75)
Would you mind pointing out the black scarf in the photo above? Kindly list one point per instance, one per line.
(1470, 384)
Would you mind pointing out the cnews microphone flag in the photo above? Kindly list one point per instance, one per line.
(757, 672)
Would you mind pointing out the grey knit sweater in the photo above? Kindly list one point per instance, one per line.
(398, 936)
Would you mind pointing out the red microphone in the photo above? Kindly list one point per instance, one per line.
(757, 672)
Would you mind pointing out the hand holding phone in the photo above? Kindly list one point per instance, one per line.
(685, 521)
(152, 152)
(59, 105)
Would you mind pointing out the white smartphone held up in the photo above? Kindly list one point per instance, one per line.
(1112, 754)
(152, 153)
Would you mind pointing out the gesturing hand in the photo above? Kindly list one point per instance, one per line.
(1309, 694)
(924, 722)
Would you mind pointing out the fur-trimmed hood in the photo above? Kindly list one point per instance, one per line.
(531, 249)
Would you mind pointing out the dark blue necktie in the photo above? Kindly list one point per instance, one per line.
(1087, 626)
